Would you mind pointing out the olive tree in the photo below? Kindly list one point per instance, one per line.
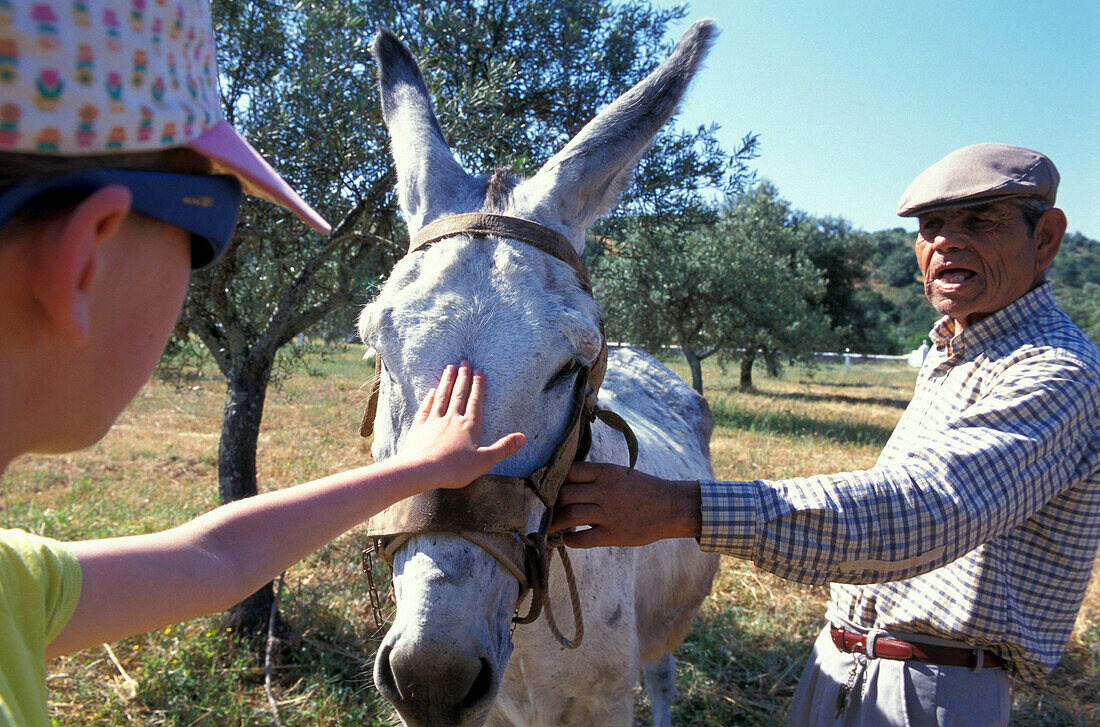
(513, 80)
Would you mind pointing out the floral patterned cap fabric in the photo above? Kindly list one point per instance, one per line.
(84, 77)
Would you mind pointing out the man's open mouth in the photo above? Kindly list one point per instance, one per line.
(954, 276)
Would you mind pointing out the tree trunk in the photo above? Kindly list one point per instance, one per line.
(696, 366)
(746, 368)
(246, 389)
(771, 360)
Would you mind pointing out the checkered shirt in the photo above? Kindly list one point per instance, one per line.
(979, 522)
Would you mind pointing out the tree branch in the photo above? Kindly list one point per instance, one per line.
(278, 330)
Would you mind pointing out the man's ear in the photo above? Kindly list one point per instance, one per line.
(1048, 238)
(65, 269)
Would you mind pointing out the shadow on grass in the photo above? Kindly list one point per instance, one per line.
(1070, 697)
(834, 398)
(797, 425)
(834, 384)
(728, 675)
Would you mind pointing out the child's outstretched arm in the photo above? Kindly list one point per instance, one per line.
(138, 583)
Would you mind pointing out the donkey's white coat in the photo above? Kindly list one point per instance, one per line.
(522, 317)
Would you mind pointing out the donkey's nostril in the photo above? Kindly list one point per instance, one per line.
(482, 689)
(430, 685)
(383, 675)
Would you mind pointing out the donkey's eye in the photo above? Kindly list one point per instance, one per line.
(567, 372)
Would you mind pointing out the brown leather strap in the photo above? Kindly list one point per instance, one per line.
(485, 224)
(489, 504)
(619, 424)
(366, 427)
(886, 648)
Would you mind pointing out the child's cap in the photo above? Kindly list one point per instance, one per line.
(80, 77)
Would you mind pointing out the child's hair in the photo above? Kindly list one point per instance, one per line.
(18, 168)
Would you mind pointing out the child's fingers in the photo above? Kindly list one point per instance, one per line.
(425, 405)
(477, 396)
(507, 445)
(461, 389)
(443, 395)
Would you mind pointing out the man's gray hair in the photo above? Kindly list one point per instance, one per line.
(1033, 209)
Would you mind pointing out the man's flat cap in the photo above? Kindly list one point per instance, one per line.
(979, 174)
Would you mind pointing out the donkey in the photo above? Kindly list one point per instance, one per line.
(528, 321)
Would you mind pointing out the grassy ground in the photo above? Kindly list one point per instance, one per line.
(158, 467)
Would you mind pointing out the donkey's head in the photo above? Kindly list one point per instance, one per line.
(520, 315)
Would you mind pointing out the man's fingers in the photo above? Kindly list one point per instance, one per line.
(590, 538)
(576, 493)
(571, 516)
(584, 472)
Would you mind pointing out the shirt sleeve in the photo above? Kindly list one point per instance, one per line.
(40, 582)
(39, 587)
(983, 471)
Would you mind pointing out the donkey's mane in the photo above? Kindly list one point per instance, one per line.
(499, 188)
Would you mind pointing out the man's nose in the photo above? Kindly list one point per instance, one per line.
(950, 237)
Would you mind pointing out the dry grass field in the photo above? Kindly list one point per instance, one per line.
(157, 468)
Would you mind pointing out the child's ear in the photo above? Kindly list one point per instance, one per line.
(64, 273)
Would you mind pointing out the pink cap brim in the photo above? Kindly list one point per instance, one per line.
(228, 150)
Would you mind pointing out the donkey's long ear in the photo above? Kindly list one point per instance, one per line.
(584, 179)
(428, 177)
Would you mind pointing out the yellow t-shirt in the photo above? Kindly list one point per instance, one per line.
(39, 586)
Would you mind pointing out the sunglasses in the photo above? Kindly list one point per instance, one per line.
(204, 205)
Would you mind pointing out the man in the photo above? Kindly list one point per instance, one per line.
(963, 555)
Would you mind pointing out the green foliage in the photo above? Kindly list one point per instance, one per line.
(1077, 263)
(296, 83)
(1082, 305)
(853, 308)
(742, 282)
(1076, 275)
(905, 317)
(512, 83)
(781, 288)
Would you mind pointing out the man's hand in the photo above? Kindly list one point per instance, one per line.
(444, 439)
(624, 507)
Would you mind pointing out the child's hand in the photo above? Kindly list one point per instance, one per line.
(443, 441)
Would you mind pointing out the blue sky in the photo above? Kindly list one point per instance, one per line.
(854, 99)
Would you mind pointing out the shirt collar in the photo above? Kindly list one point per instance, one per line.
(1013, 315)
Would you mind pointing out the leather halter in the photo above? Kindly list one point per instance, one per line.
(493, 510)
(485, 224)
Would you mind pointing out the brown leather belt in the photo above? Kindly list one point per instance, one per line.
(886, 648)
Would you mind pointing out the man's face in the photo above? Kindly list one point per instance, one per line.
(976, 260)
